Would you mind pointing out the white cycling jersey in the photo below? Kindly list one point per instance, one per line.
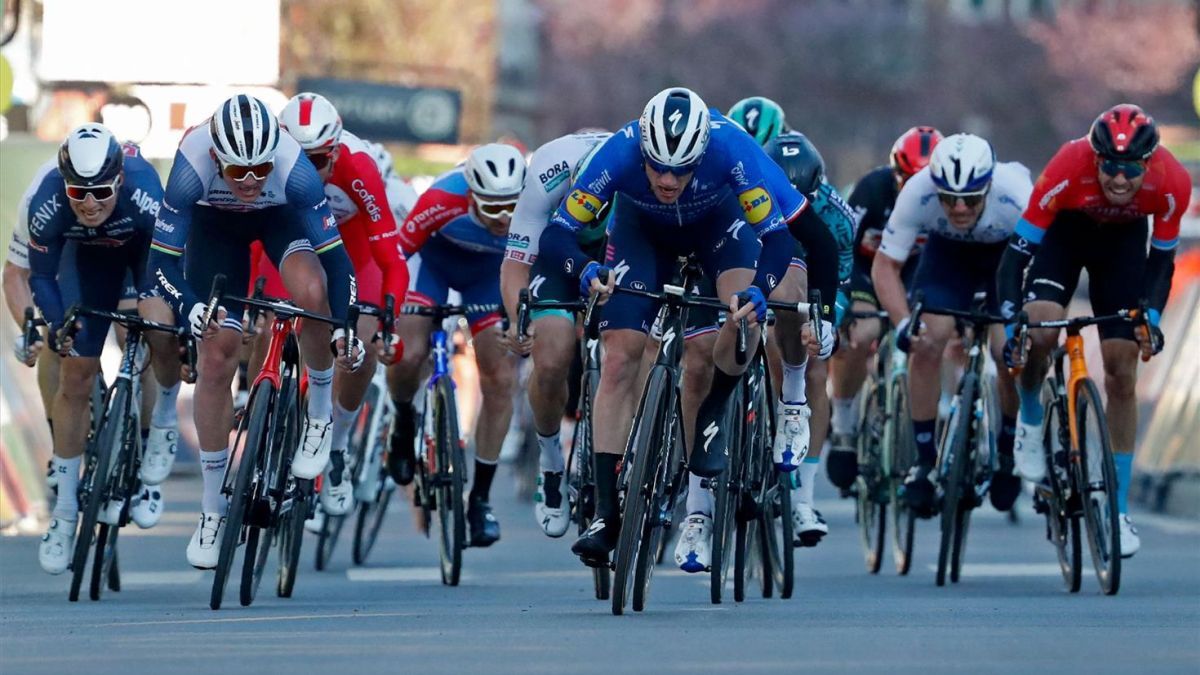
(918, 211)
(18, 246)
(551, 166)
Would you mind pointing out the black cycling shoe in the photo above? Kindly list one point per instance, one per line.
(401, 456)
(595, 544)
(483, 526)
(842, 466)
(919, 492)
(1006, 485)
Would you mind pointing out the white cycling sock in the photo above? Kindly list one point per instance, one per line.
(212, 468)
(551, 454)
(343, 422)
(66, 471)
(699, 498)
(320, 393)
(164, 414)
(808, 478)
(793, 383)
(845, 417)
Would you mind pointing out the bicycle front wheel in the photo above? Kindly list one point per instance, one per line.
(97, 482)
(1096, 480)
(899, 443)
(450, 477)
(955, 447)
(1062, 512)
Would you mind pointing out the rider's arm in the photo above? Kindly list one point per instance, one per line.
(899, 236)
(45, 252)
(889, 288)
(183, 190)
(840, 218)
(16, 291)
(375, 216)
(436, 207)
(514, 276)
(1164, 239)
(306, 194)
(819, 244)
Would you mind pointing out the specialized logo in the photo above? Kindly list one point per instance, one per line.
(675, 118)
(535, 286)
(620, 270)
(552, 177)
(667, 338)
(710, 432)
(735, 228)
(583, 207)
(368, 199)
(752, 120)
(756, 204)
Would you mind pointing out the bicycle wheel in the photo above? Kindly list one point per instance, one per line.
(248, 447)
(669, 475)
(291, 536)
(95, 486)
(870, 510)
(639, 488)
(297, 495)
(372, 474)
(582, 472)
(1062, 514)
(370, 519)
(104, 562)
(955, 451)
(327, 539)
(726, 490)
(1096, 480)
(254, 561)
(778, 536)
(122, 486)
(449, 479)
(899, 442)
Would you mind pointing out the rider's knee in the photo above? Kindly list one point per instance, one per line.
(1120, 373)
(498, 381)
(75, 377)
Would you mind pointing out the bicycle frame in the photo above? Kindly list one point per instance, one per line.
(1073, 349)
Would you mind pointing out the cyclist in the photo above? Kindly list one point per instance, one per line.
(237, 179)
(761, 117)
(968, 204)
(459, 227)
(872, 200)
(357, 197)
(688, 182)
(113, 196)
(553, 350)
(1090, 209)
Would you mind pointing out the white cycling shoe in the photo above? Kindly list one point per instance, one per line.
(791, 438)
(313, 454)
(1130, 541)
(554, 520)
(147, 507)
(159, 456)
(204, 549)
(337, 486)
(693, 553)
(808, 527)
(316, 521)
(1029, 455)
(54, 553)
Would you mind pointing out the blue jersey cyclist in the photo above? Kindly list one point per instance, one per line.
(89, 217)
(236, 179)
(689, 182)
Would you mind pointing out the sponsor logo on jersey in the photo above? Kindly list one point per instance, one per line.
(368, 199)
(130, 150)
(555, 175)
(161, 225)
(600, 183)
(756, 204)
(145, 201)
(739, 174)
(620, 270)
(517, 240)
(1047, 198)
(166, 285)
(583, 207)
(535, 286)
(40, 218)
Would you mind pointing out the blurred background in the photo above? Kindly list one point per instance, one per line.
(430, 78)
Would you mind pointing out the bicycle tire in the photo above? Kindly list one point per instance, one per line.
(726, 496)
(902, 448)
(327, 540)
(291, 538)
(962, 524)
(870, 510)
(637, 490)
(299, 491)
(250, 567)
(1062, 519)
(669, 473)
(103, 561)
(370, 520)
(252, 433)
(584, 478)
(780, 535)
(112, 432)
(1099, 514)
(955, 446)
(450, 479)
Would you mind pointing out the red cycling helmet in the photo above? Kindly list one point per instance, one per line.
(1124, 132)
(911, 152)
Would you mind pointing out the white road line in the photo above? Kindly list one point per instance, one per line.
(402, 574)
(251, 619)
(1007, 570)
(161, 578)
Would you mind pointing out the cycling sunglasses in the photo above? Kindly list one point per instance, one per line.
(949, 199)
(101, 193)
(320, 159)
(495, 208)
(241, 173)
(1112, 167)
(679, 171)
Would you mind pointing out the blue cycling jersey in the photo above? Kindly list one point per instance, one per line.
(52, 224)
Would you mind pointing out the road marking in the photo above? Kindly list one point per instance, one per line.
(409, 574)
(1166, 524)
(1007, 569)
(250, 619)
(161, 578)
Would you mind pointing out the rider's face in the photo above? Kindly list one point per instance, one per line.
(961, 214)
(667, 187)
(92, 212)
(1120, 189)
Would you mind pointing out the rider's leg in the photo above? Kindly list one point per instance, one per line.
(1120, 384)
(553, 351)
(71, 424)
(497, 377)
(849, 368)
(924, 364)
(792, 434)
(305, 281)
(697, 379)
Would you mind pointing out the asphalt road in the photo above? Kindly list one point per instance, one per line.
(526, 605)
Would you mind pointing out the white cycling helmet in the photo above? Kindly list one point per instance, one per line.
(383, 160)
(962, 164)
(90, 155)
(495, 170)
(675, 126)
(244, 132)
(312, 120)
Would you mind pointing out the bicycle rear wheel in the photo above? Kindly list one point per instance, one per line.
(898, 440)
(371, 472)
(582, 472)
(370, 519)
(296, 495)
(104, 562)
(1096, 480)
(450, 477)
(870, 511)
(331, 529)
(1062, 513)
(96, 483)
(955, 450)
(778, 536)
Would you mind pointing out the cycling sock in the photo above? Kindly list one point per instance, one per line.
(1008, 434)
(606, 486)
(343, 422)
(320, 393)
(793, 383)
(808, 479)
(1124, 462)
(212, 468)
(699, 497)
(923, 431)
(551, 453)
(164, 414)
(66, 471)
(484, 473)
(844, 415)
(1031, 404)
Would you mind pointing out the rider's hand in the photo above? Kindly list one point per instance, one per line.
(388, 351)
(1014, 351)
(754, 298)
(589, 281)
(822, 348)
(358, 352)
(64, 343)
(196, 321)
(27, 353)
(1149, 343)
(251, 331)
(513, 341)
(903, 341)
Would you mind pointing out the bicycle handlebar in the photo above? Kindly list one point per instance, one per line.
(440, 312)
(131, 322)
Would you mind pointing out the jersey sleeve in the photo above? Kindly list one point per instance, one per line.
(534, 208)
(147, 190)
(171, 229)
(840, 219)
(434, 209)
(1176, 196)
(904, 225)
(46, 224)
(1047, 197)
(768, 200)
(374, 214)
(596, 184)
(18, 246)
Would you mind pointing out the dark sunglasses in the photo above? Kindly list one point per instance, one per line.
(1112, 167)
(320, 160)
(676, 170)
(101, 193)
(971, 200)
(241, 173)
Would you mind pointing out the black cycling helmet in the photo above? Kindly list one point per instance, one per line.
(799, 159)
(90, 155)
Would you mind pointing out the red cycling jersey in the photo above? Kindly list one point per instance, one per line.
(1070, 183)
